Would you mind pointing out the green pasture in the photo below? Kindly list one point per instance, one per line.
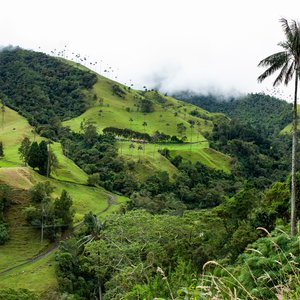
(194, 152)
(38, 276)
(123, 113)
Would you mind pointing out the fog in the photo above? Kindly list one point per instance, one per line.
(204, 46)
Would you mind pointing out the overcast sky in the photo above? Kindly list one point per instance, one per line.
(211, 45)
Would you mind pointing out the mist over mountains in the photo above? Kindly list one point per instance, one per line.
(266, 113)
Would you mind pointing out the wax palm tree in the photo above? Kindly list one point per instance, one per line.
(287, 61)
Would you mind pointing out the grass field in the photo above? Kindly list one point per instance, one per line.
(193, 152)
(15, 129)
(38, 276)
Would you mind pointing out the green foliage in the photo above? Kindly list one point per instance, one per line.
(146, 106)
(40, 191)
(268, 115)
(43, 158)
(19, 294)
(33, 155)
(255, 156)
(39, 156)
(5, 201)
(63, 210)
(127, 133)
(52, 217)
(125, 259)
(4, 235)
(42, 88)
(24, 150)
(118, 90)
(270, 267)
(1, 150)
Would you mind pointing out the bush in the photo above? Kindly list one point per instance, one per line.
(4, 236)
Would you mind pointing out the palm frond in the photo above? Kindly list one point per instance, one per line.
(286, 29)
(275, 62)
(288, 60)
(278, 58)
(283, 74)
(289, 73)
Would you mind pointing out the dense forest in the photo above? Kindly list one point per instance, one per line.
(43, 89)
(266, 114)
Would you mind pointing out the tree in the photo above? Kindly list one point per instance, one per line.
(288, 62)
(63, 209)
(1, 150)
(33, 155)
(3, 111)
(43, 158)
(53, 161)
(90, 134)
(24, 150)
(131, 121)
(181, 128)
(40, 191)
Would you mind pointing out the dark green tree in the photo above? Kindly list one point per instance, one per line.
(33, 155)
(90, 134)
(43, 158)
(288, 62)
(63, 210)
(1, 150)
(40, 191)
(24, 150)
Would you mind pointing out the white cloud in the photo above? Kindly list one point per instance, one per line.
(185, 44)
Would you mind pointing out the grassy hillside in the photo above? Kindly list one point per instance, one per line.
(38, 276)
(124, 112)
(116, 111)
(15, 129)
(25, 241)
(149, 159)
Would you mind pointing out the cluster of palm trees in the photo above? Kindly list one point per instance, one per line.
(287, 62)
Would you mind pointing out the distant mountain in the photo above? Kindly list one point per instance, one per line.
(265, 113)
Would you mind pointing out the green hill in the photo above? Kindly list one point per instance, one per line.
(51, 94)
(267, 114)
(125, 112)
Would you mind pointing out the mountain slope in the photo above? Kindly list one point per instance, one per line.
(41, 87)
(268, 114)
(111, 110)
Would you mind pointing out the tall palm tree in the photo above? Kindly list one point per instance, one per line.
(288, 62)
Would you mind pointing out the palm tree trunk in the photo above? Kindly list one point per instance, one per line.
(294, 150)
